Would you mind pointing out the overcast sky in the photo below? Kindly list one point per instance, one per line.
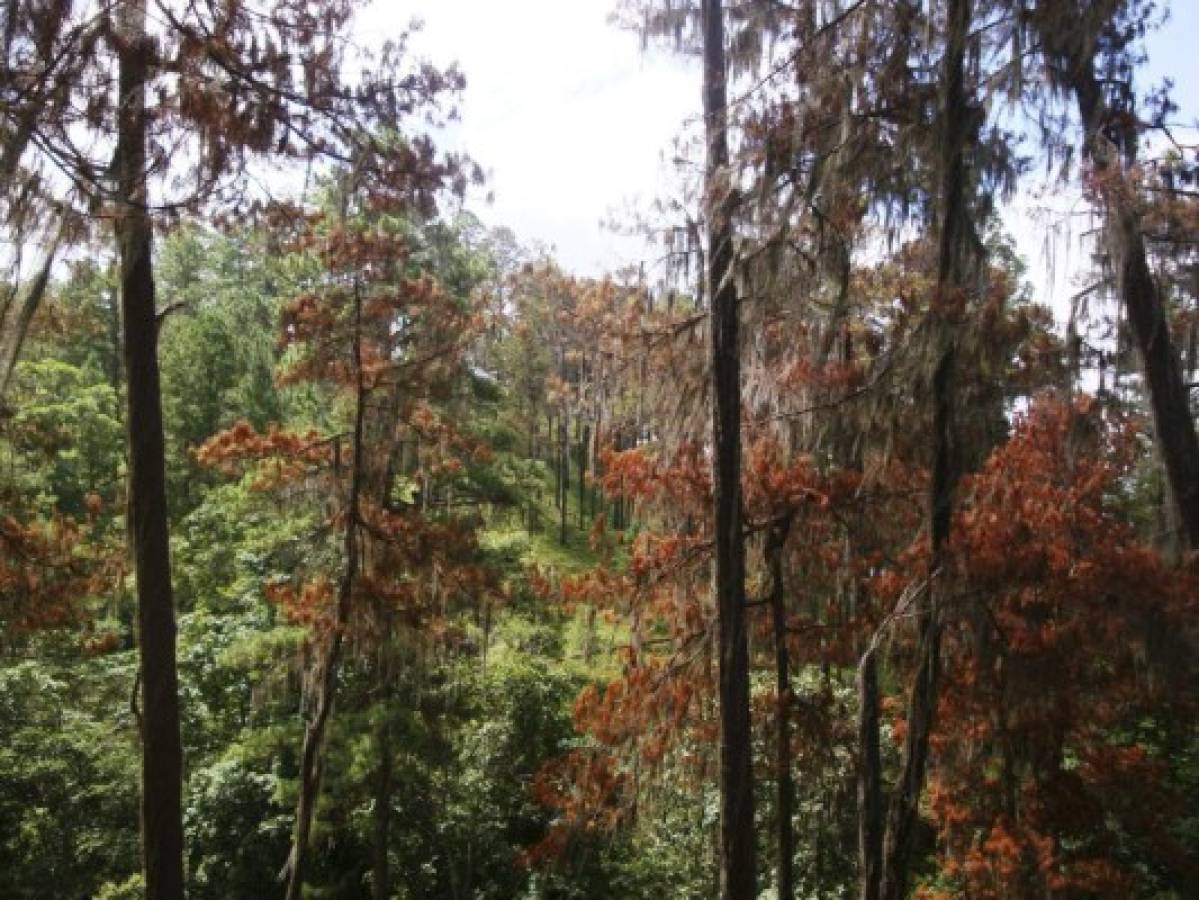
(573, 121)
(566, 114)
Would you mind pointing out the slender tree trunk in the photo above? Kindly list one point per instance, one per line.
(597, 437)
(382, 823)
(583, 440)
(162, 752)
(564, 469)
(956, 133)
(776, 540)
(870, 795)
(16, 320)
(1174, 425)
(326, 680)
(310, 765)
(555, 449)
(535, 434)
(738, 874)
(903, 812)
(618, 500)
(20, 315)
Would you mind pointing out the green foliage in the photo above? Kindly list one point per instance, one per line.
(66, 434)
(133, 888)
(232, 544)
(84, 323)
(444, 733)
(236, 827)
(217, 345)
(68, 776)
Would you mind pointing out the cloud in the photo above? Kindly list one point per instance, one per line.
(564, 110)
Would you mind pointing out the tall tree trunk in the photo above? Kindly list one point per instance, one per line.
(18, 317)
(870, 799)
(564, 477)
(738, 875)
(582, 440)
(776, 540)
(597, 441)
(903, 812)
(382, 816)
(956, 133)
(326, 680)
(162, 752)
(618, 500)
(1173, 422)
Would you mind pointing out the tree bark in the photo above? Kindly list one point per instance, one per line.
(162, 753)
(776, 540)
(16, 318)
(956, 133)
(870, 768)
(564, 474)
(20, 315)
(314, 733)
(903, 812)
(738, 875)
(1173, 422)
(584, 438)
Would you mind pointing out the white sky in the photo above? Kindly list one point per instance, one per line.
(564, 111)
(573, 122)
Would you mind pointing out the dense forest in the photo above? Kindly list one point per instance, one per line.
(350, 547)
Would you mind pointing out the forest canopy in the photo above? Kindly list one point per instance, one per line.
(351, 545)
